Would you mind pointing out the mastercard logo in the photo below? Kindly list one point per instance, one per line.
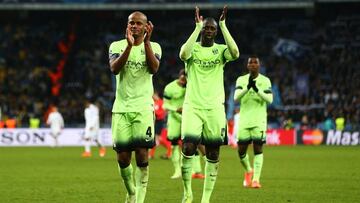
(312, 137)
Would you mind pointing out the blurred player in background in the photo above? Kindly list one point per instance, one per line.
(253, 91)
(174, 95)
(56, 123)
(134, 60)
(203, 115)
(92, 126)
(160, 131)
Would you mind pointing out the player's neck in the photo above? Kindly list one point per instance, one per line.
(138, 41)
(254, 75)
(207, 43)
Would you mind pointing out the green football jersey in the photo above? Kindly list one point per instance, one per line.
(134, 87)
(205, 76)
(253, 109)
(174, 95)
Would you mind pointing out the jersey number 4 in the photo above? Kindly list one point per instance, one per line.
(148, 132)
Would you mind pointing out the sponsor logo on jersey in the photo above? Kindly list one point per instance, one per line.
(136, 64)
(207, 64)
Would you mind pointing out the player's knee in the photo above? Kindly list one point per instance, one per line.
(142, 164)
(212, 155)
(123, 164)
(188, 149)
(258, 149)
(242, 150)
(242, 154)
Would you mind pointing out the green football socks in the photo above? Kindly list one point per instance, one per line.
(126, 174)
(197, 164)
(141, 179)
(246, 163)
(258, 163)
(211, 171)
(186, 170)
(175, 159)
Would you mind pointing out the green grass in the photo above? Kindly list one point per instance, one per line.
(290, 174)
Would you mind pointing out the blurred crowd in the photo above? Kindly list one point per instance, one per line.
(312, 59)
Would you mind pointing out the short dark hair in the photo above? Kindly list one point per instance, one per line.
(254, 56)
(210, 19)
(90, 99)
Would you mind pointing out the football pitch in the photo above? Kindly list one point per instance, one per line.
(290, 174)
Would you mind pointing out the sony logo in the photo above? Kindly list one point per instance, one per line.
(22, 137)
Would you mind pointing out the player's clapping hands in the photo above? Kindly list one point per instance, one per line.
(223, 14)
(129, 37)
(149, 27)
(198, 17)
(252, 84)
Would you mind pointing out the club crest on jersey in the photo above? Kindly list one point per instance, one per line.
(215, 51)
(142, 52)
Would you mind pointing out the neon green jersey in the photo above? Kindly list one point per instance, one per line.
(134, 87)
(174, 95)
(205, 76)
(253, 108)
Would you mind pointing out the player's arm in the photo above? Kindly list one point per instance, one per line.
(89, 118)
(117, 61)
(266, 93)
(240, 89)
(48, 121)
(232, 51)
(167, 100)
(186, 49)
(62, 121)
(167, 104)
(152, 60)
(92, 119)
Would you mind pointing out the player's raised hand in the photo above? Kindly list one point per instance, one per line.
(223, 14)
(250, 82)
(129, 37)
(198, 17)
(254, 86)
(149, 27)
